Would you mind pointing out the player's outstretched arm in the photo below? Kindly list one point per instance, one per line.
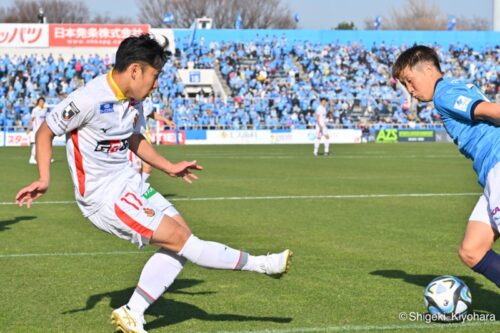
(35, 190)
(159, 117)
(487, 111)
(31, 192)
(147, 153)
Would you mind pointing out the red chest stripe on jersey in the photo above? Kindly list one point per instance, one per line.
(80, 173)
(133, 224)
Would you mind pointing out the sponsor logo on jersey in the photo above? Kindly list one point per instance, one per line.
(149, 193)
(70, 111)
(462, 102)
(106, 108)
(111, 146)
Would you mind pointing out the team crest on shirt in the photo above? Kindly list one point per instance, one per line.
(70, 111)
(149, 212)
(462, 102)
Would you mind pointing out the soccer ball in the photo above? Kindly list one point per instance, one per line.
(447, 298)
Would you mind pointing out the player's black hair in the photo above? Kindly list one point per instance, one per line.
(323, 99)
(412, 56)
(144, 49)
(40, 99)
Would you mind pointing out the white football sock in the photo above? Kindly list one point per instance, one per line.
(33, 151)
(327, 146)
(157, 275)
(316, 145)
(215, 255)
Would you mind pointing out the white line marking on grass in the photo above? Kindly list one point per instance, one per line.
(6, 203)
(73, 254)
(292, 197)
(339, 196)
(334, 156)
(368, 328)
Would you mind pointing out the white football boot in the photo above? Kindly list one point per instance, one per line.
(277, 264)
(127, 321)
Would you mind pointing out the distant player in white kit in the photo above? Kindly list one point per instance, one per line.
(37, 118)
(321, 129)
(100, 121)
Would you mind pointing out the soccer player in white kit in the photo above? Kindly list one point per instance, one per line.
(37, 118)
(321, 129)
(100, 122)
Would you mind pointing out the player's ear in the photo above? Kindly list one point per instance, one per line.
(429, 67)
(134, 70)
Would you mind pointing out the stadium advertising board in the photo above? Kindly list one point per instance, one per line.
(172, 137)
(238, 137)
(24, 35)
(308, 136)
(168, 137)
(275, 137)
(401, 135)
(421, 135)
(21, 139)
(92, 35)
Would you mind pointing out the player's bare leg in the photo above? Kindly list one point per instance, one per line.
(476, 251)
(478, 239)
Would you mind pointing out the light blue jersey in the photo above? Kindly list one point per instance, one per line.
(480, 141)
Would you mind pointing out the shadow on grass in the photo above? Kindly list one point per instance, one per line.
(483, 300)
(4, 225)
(170, 312)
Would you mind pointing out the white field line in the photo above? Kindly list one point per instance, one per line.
(370, 328)
(73, 254)
(291, 197)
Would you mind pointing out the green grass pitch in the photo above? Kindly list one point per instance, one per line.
(370, 226)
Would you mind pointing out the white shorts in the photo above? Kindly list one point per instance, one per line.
(321, 131)
(133, 216)
(487, 209)
(32, 137)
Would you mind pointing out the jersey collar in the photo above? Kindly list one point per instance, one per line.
(114, 87)
(436, 84)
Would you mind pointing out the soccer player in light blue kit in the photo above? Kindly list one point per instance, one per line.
(473, 123)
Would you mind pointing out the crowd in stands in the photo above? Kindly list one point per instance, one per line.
(272, 83)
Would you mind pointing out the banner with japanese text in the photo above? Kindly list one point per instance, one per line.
(24, 35)
(92, 35)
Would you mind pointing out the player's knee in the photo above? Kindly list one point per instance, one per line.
(171, 235)
(471, 254)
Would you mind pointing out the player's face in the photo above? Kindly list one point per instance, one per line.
(144, 81)
(419, 82)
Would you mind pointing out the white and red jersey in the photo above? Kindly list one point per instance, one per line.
(98, 121)
(320, 115)
(37, 117)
